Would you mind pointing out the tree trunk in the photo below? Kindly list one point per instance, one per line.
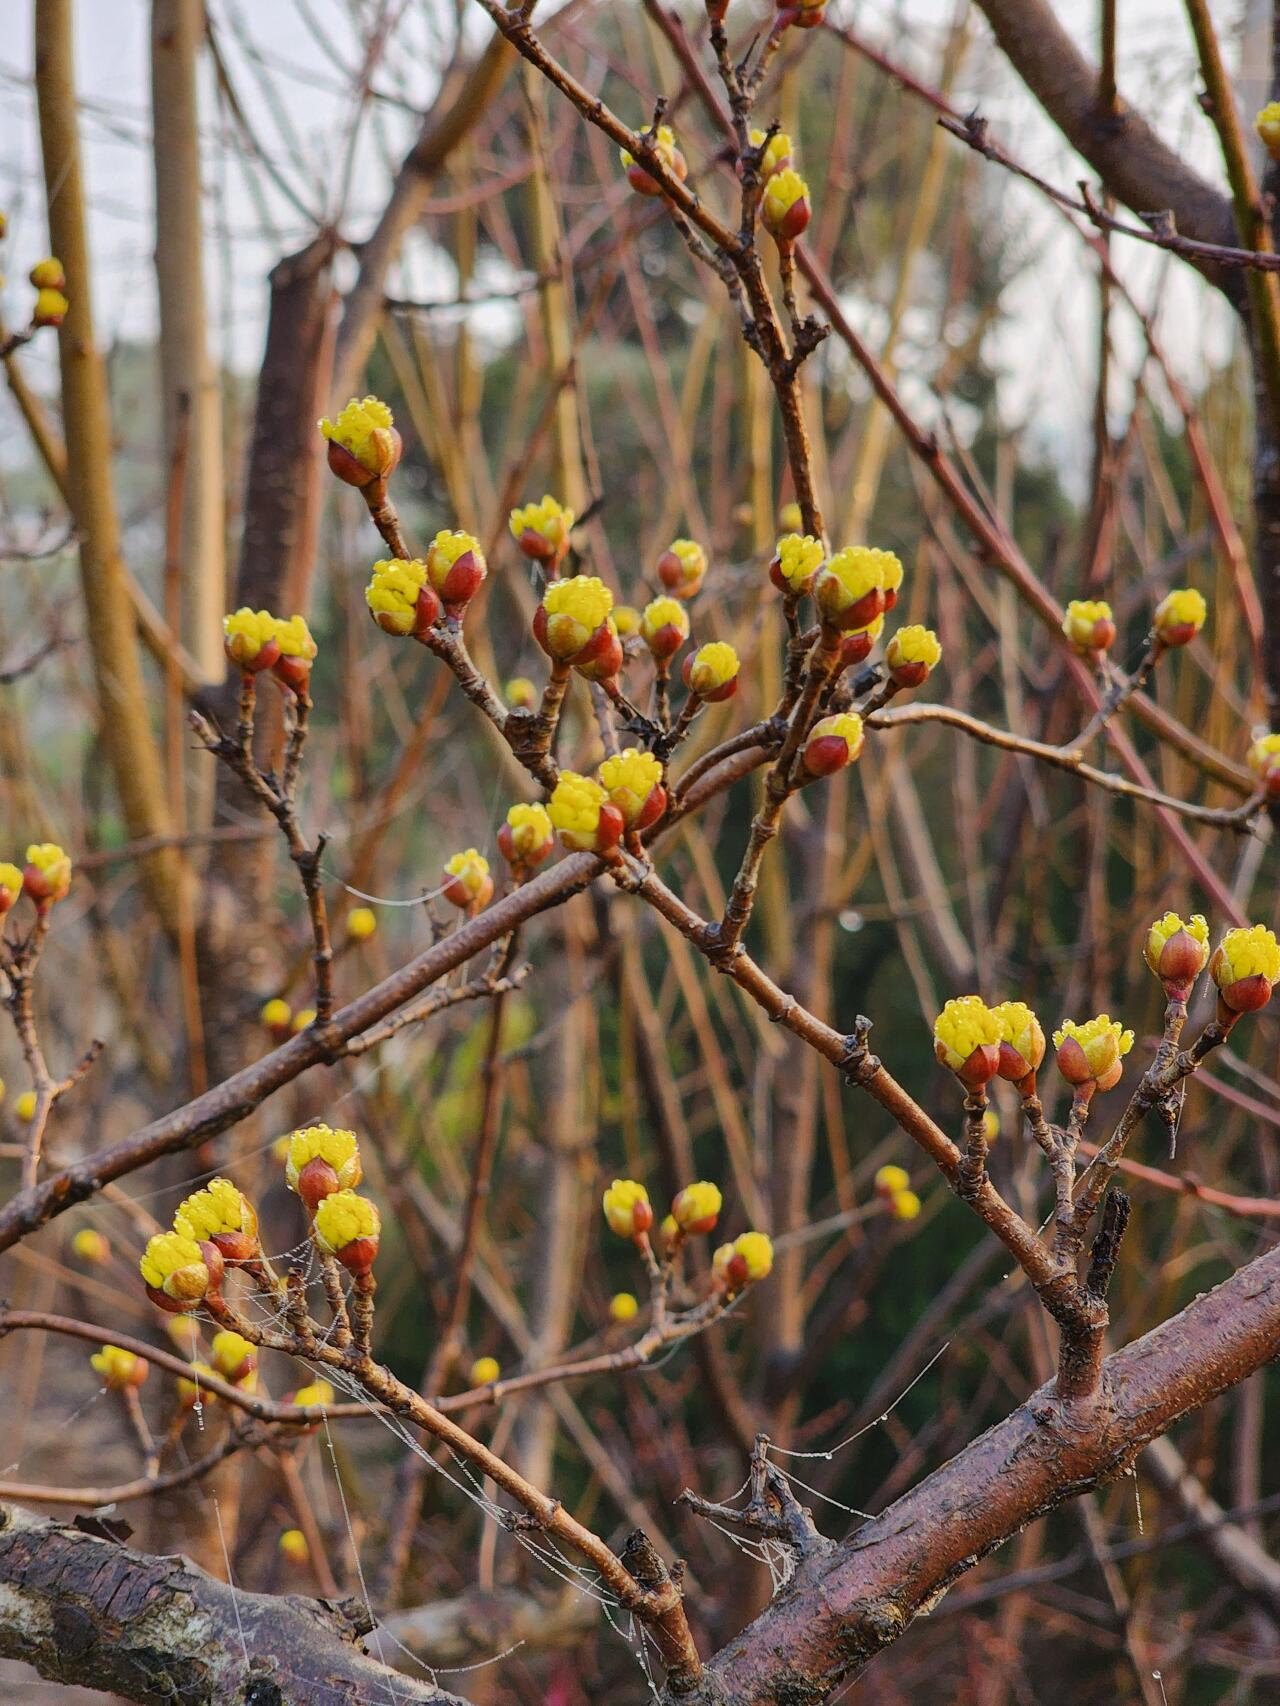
(128, 741)
(188, 380)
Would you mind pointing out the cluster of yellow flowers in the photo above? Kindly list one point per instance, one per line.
(626, 797)
(1090, 625)
(218, 1224)
(784, 203)
(49, 279)
(211, 1227)
(255, 640)
(979, 1043)
(695, 1210)
(44, 879)
(893, 1187)
(280, 1019)
(854, 590)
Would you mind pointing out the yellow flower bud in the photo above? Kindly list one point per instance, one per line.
(521, 693)
(317, 1394)
(223, 1215)
(776, 155)
(852, 588)
(456, 568)
(912, 654)
(571, 615)
(467, 883)
(185, 1333)
(293, 1546)
(303, 1019)
(400, 598)
(747, 1259)
(697, 1207)
(276, 1013)
(784, 206)
(364, 445)
(174, 1264)
(1022, 1042)
(348, 1226)
(362, 922)
(321, 1160)
(297, 653)
(526, 838)
(1089, 625)
(90, 1246)
(1179, 616)
(712, 672)
(10, 885)
(682, 567)
(195, 1390)
(889, 1180)
(791, 517)
(249, 638)
(580, 809)
(51, 308)
(47, 875)
(1267, 125)
(233, 1357)
(664, 627)
(633, 781)
(627, 1208)
(626, 620)
(904, 1205)
(623, 1307)
(1245, 965)
(1177, 952)
(797, 557)
(1091, 1053)
(966, 1038)
(48, 274)
(118, 1368)
(24, 1105)
(833, 743)
(542, 530)
(484, 1371)
(664, 144)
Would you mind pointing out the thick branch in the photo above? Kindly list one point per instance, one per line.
(841, 1611)
(83, 1610)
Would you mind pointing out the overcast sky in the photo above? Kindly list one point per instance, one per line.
(285, 58)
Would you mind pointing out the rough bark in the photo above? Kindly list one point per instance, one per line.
(844, 1607)
(85, 1611)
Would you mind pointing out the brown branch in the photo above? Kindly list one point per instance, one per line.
(85, 1611)
(238, 1095)
(839, 1614)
